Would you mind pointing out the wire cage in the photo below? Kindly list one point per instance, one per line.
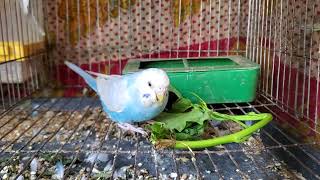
(49, 116)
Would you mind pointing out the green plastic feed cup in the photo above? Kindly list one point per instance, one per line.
(229, 79)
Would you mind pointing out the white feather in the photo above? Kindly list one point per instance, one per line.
(102, 157)
(34, 166)
(59, 171)
(20, 167)
(84, 178)
(24, 6)
(20, 177)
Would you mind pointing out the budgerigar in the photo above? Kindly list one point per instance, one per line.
(129, 98)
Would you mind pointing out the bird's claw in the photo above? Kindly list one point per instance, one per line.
(129, 127)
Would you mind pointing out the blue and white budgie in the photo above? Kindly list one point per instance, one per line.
(129, 98)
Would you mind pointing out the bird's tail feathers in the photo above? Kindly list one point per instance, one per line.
(98, 74)
(91, 81)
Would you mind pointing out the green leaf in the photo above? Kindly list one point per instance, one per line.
(175, 91)
(158, 131)
(191, 133)
(178, 121)
(181, 105)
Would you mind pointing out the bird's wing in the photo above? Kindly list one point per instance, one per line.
(102, 75)
(113, 92)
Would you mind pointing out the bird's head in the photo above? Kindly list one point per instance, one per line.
(153, 86)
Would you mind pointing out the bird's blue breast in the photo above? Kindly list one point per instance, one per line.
(134, 112)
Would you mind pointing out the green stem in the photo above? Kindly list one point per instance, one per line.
(248, 117)
(239, 122)
(237, 137)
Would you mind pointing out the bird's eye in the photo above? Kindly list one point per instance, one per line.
(149, 84)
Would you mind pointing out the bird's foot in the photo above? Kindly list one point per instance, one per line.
(129, 127)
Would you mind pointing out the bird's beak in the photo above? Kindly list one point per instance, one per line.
(160, 96)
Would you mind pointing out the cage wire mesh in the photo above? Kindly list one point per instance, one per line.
(46, 117)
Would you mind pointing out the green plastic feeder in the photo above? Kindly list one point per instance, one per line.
(229, 79)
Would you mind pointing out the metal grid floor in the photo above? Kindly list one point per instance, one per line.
(77, 132)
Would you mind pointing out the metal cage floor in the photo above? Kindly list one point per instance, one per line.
(70, 129)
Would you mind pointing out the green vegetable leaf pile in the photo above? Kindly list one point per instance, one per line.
(183, 120)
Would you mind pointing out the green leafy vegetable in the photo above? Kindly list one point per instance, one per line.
(184, 121)
(191, 132)
(159, 132)
(175, 91)
(181, 105)
(178, 121)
